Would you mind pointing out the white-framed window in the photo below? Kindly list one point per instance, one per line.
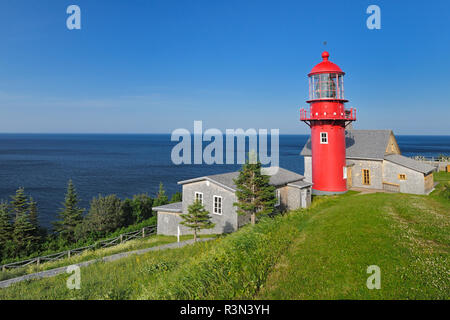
(217, 202)
(345, 172)
(199, 197)
(324, 138)
(278, 195)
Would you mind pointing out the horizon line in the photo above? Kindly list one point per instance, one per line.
(169, 133)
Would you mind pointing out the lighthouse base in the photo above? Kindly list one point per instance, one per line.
(326, 193)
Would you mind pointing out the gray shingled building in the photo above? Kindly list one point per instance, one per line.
(217, 193)
(374, 161)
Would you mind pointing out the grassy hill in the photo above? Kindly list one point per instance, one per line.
(319, 253)
(132, 245)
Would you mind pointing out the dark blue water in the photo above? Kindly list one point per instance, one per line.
(127, 164)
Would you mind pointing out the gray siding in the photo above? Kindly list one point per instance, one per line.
(308, 168)
(414, 182)
(168, 224)
(294, 198)
(298, 198)
(380, 171)
(228, 221)
(376, 173)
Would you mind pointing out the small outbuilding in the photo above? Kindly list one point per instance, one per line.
(217, 194)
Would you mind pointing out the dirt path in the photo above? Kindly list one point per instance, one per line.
(114, 257)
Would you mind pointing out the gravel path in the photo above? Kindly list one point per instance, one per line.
(114, 257)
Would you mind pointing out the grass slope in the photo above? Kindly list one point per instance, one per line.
(132, 245)
(322, 252)
(406, 236)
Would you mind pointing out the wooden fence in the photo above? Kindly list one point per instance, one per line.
(441, 163)
(144, 232)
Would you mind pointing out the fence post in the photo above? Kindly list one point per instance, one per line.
(3, 268)
(38, 261)
(121, 238)
(143, 232)
(68, 254)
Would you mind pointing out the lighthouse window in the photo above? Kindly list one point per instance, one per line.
(366, 176)
(327, 85)
(324, 138)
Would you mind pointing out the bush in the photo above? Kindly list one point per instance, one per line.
(445, 193)
(105, 215)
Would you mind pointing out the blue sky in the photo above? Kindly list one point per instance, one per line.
(143, 66)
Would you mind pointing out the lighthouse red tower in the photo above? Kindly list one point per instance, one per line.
(327, 118)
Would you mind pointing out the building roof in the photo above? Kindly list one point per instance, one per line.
(361, 144)
(300, 184)
(171, 207)
(410, 163)
(278, 177)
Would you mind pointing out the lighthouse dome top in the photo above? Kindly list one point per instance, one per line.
(326, 66)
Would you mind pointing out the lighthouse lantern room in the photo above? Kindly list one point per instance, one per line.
(328, 118)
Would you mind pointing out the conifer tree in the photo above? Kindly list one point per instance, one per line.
(70, 215)
(5, 229)
(197, 218)
(19, 203)
(33, 216)
(32, 208)
(5, 223)
(176, 197)
(161, 198)
(23, 230)
(254, 193)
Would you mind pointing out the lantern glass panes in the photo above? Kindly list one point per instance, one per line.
(327, 86)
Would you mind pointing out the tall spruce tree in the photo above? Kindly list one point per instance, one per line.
(24, 232)
(33, 211)
(197, 218)
(254, 193)
(38, 232)
(5, 223)
(70, 215)
(161, 198)
(5, 229)
(19, 203)
(176, 197)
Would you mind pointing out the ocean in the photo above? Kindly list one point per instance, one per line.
(127, 164)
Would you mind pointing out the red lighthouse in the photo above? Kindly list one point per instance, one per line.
(327, 118)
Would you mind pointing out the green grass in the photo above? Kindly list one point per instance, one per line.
(319, 253)
(131, 245)
(441, 176)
